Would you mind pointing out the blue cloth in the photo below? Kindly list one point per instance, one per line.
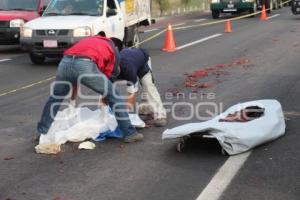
(133, 64)
(117, 133)
(69, 70)
(109, 134)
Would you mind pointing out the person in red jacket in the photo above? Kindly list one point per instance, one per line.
(93, 62)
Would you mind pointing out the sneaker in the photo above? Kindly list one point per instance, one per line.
(160, 122)
(136, 137)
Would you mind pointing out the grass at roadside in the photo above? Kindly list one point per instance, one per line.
(173, 7)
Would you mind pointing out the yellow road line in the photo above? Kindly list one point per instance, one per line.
(27, 86)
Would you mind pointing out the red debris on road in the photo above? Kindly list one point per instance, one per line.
(9, 158)
(241, 61)
(174, 91)
(201, 79)
(198, 74)
(190, 83)
(220, 66)
(206, 85)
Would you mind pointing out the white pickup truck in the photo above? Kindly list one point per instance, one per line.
(65, 22)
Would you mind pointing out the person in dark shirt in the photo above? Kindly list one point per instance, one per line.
(92, 62)
(135, 65)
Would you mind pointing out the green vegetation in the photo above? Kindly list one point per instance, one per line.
(186, 2)
(167, 7)
(163, 5)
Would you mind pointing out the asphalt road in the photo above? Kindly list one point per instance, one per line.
(258, 60)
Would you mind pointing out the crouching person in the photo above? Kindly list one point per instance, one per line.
(91, 62)
(135, 63)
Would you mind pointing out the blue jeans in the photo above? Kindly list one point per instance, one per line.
(69, 70)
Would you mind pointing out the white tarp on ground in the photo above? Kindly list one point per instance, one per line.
(78, 124)
(237, 137)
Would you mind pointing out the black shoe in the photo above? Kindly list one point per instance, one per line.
(136, 137)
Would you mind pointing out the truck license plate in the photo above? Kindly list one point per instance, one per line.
(230, 10)
(230, 6)
(50, 43)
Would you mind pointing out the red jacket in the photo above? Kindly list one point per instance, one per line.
(99, 50)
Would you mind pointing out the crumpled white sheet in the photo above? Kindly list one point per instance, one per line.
(79, 124)
(87, 145)
(237, 137)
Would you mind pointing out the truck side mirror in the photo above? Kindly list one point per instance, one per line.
(111, 12)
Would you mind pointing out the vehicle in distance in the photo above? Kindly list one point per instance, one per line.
(295, 7)
(14, 14)
(65, 22)
(239, 6)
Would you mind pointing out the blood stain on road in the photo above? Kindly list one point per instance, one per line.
(209, 77)
(8, 158)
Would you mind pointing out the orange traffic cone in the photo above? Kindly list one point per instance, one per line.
(263, 16)
(228, 27)
(170, 41)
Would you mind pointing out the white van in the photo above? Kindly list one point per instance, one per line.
(65, 22)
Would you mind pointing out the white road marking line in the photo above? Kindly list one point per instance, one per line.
(199, 41)
(4, 60)
(223, 177)
(200, 20)
(273, 16)
(179, 24)
(151, 30)
(156, 29)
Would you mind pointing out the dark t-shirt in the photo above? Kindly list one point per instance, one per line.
(133, 64)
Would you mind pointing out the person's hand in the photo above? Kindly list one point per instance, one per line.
(103, 102)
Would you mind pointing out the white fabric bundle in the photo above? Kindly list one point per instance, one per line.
(238, 137)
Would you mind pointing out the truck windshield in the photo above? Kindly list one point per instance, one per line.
(75, 7)
(27, 5)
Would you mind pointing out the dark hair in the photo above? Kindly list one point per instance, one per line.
(101, 33)
(117, 42)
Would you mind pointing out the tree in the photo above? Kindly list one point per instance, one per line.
(186, 2)
(163, 5)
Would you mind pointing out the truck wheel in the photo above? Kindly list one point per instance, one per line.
(280, 4)
(135, 41)
(37, 59)
(132, 38)
(180, 145)
(215, 14)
